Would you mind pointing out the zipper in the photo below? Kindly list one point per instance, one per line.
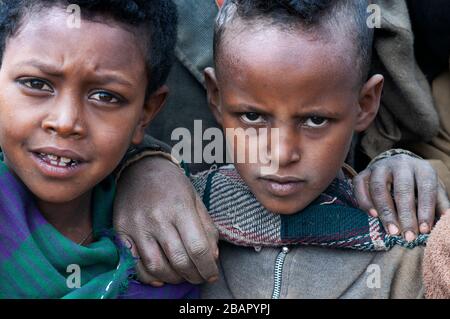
(278, 272)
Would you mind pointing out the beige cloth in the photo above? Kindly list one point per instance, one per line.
(406, 112)
(436, 263)
(438, 149)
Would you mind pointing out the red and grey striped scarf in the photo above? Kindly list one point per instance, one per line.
(333, 220)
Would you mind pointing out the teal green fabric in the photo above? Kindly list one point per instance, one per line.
(34, 256)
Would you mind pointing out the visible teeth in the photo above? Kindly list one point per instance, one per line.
(59, 161)
(65, 160)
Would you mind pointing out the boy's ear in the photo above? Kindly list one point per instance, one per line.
(152, 106)
(213, 94)
(369, 102)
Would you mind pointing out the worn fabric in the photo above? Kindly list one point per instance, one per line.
(407, 100)
(436, 265)
(313, 272)
(438, 149)
(34, 256)
(265, 255)
(332, 220)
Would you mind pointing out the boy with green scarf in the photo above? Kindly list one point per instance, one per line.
(80, 81)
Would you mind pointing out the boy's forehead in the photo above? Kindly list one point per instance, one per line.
(272, 51)
(48, 36)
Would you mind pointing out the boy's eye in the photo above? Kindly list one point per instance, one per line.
(252, 118)
(104, 97)
(315, 121)
(36, 84)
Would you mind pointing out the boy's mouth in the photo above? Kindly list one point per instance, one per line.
(282, 186)
(58, 163)
(57, 160)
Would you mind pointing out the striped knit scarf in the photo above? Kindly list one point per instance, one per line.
(36, 261)
(332, 220)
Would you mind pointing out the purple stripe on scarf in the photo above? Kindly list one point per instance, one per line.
(13, 228)
(137, 290)
(13, 225)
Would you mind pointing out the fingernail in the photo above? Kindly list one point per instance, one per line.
(128, 244)
(373, 212)
(393, 230)
(424, 228)
(157, 283)
(213, 279)
(410, 236)
(446, 212)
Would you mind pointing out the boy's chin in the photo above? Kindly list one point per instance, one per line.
(283, 206)
(58, 197)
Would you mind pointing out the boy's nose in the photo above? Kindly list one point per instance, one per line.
(286, 149)
(64, 119)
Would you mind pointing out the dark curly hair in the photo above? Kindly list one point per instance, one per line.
(346, 17)
(156, 19)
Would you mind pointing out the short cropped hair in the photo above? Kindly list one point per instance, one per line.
(342, 17)
(156, 19)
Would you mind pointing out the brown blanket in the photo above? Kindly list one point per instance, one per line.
(436, 263)
(407, 103)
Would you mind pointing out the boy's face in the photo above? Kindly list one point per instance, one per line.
(71, 102)
(305, 88)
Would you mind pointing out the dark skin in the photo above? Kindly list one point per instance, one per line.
(66, 94)
(178, 242)
(316, 106)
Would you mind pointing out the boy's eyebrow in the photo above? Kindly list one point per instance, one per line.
(109, 78)
(44, 67)
(55, 71)
(248, 108)
(317, 110)
(306, 111)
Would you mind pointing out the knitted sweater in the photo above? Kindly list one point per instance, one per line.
(271, 255)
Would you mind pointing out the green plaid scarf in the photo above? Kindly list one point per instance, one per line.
(34, 256)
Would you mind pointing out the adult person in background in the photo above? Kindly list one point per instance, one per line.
(431, 25)
(174, 244)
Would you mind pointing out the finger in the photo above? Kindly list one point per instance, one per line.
(382, 199)
(128, 242)
(405, 201)
(209, 227)
(362, 193)
(427, 189)
(153, 267)
(180, 261)
(200, 243)
(144, 277)
(141, 273)
(443, 203)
